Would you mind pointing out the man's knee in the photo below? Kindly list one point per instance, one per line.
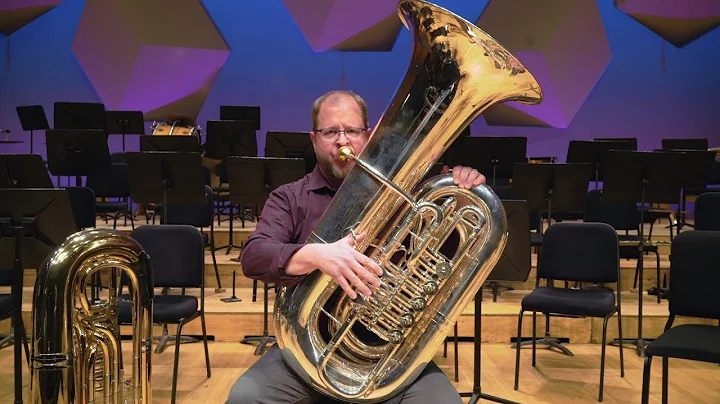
(432, 386)
(244, 391)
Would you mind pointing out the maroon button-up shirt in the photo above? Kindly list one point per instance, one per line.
(290, 214)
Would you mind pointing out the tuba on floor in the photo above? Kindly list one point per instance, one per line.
(436, 242)
(76, 355)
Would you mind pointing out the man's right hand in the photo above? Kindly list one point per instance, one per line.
(340, 261)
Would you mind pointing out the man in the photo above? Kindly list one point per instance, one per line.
(276, 252)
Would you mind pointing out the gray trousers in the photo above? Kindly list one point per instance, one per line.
(271, 381)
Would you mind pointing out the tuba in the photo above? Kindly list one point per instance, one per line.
(436, 242)
(76, 355)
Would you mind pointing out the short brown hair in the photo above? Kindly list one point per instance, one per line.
(335, 96)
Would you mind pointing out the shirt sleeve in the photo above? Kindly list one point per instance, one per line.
(271, 245)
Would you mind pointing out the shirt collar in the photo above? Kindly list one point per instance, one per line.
(317, 181)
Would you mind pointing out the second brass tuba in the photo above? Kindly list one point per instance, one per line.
(436, 242)
(76, 355)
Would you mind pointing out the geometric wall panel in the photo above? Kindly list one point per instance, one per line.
(15, 14)
(562, 43)
(678, 22)
(368, 25)
(148, 56)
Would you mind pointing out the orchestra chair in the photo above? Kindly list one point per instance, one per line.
(177, 259)
(576, 252)
(707, 211)
(200, 216)
(693, 293)
(115, 185)
(82, 202)
(623, 217)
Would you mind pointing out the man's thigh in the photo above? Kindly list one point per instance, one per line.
(431, 387)
(271, 381)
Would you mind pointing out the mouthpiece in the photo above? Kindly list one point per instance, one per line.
(345, 153)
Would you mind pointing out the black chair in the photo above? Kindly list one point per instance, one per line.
(82, 202)
(7, 311)
(693, 293)
(623, 217)
(178, 261)
(579, 252)
(707, 211)
(200, 216)
(115, 185)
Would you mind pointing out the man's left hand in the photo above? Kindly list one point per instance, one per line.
(465, 177)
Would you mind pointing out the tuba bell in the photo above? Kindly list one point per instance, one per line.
(76, 355)
(436, 242)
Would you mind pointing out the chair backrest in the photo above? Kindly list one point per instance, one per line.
(707, 211)
(192, 214)
(695, 274)
(583, 252)
(176, 253)
(82, 201)
(621, 216)
(115, 184)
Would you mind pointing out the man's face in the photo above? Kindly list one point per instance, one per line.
(339, 123)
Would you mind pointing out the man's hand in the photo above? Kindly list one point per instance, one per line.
(465, 177)
(340, 261)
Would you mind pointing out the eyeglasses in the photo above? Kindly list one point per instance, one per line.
(332, 133)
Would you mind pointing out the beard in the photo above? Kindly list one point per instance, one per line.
(332, 167)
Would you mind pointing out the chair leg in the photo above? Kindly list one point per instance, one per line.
(665, 360)
(602, 358)
(534, 333)
(457, 371)
(207, 354)
(620, 344)
(219, 289)
(254, 291)
(646, 380)
(517, 353)
(177, 360)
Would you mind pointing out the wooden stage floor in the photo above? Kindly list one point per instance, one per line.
(557, 378)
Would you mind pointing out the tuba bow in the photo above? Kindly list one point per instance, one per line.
(76, 355)
(436, 242)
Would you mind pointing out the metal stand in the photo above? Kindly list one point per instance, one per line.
(233, 298)
(264, 339)
(477, 394)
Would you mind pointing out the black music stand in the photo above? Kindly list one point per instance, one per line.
(230, 138)
(187, 144)
(514, 266)
(248, 186)
(642, 178)
(38, 220)
(77, 153)
(562, 187)
(685, 144)
(32, 118)
(166, 178)
(80, 115)
(493, 155)
(23, 171)
(291, 145)
(241, 113)
(595, 152)
(125, 123)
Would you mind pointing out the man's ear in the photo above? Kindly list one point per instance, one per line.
(312, 136)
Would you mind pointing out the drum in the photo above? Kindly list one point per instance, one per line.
(166, 129)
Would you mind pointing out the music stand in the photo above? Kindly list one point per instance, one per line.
(38, 220)
(241, 113)
(594, 153)
(248, 186)
(562, 187)
(489, 154)
(32, 118)
(167, 178)
(514, 266)
(230, 138)
(125, 123)
(23, 171)
(80, 115)
(186, 144)
(685, 144)
(291, 145)
(77, 153)
(642, 178)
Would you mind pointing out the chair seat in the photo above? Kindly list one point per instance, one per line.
(536, 239)
(166, 309)
(106, 207)
(688, 341)
(581, 302)
(6, 307)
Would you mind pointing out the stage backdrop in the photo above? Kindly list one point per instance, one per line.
(642, 68)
